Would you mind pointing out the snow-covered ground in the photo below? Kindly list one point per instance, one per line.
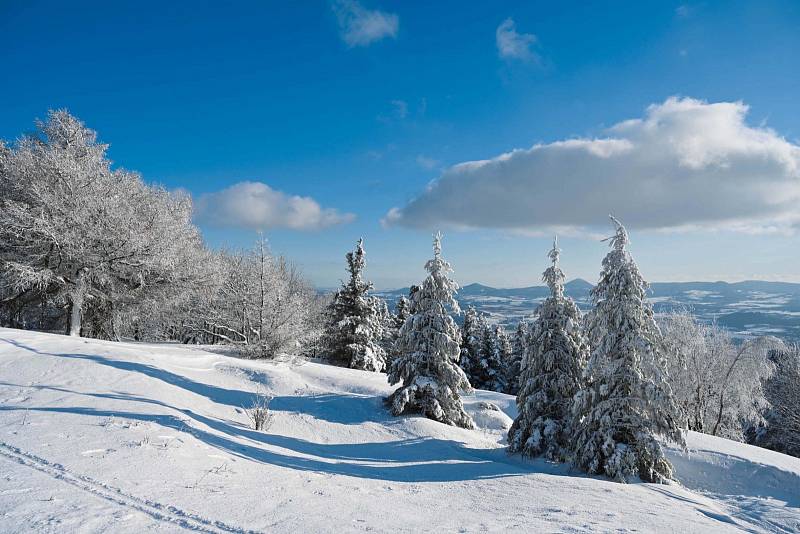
(101, 436)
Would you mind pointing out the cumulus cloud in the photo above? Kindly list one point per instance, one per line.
(685, 165)
(256, 206)
(360, 26)
(514, 45)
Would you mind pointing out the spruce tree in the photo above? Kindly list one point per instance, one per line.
(628, 401)
(514, 365)
(551, 372)
(484, 352)
(428, 350)
(401, 311)
(496, 353)
(471, 336)
(356, 320)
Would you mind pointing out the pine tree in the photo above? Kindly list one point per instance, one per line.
(514, 365)
(551, 373)
(628, 401)
(356, 321)
(428, 350)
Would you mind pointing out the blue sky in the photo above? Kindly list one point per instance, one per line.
(360, 105)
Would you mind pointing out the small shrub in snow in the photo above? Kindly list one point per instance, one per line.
(258, 412)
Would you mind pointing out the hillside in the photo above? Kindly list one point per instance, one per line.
(103, 436)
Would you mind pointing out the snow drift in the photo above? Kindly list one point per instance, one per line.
(102, 436)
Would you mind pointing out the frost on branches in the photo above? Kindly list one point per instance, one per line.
(628, 400)
(551, 374)
(428, 351)
(356, 320)
(80, 239)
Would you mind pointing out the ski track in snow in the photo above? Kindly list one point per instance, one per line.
(156, 510)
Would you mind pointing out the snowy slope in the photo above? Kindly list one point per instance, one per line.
(102, 436)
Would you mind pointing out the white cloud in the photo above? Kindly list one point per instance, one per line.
(686, 165)
(256, 206)
(360, 26)
(513, 45)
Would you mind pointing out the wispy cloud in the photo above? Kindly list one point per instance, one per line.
(514, 45)
(427, 163)
(683, 10)
(360, 26)
(686, 165)
(256, 206)
(400, 108)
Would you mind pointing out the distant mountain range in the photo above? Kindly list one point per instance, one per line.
(746, 308)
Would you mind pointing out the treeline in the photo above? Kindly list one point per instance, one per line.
(92, 250)
(599, 389)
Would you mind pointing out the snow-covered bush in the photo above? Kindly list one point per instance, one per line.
(428, 350)
(628, 401)
(258, 411)
(356, 321)
(551, 374)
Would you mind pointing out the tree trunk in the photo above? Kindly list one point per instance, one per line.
(76, 310)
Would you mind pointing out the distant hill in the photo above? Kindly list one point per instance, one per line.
(747, 308)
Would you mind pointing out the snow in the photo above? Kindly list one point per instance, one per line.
(102, 436)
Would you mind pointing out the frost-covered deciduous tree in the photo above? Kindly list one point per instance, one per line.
(551, 374)
(252, 300)
(514, 365)
(76, 233)
(356, 323)
(628, 401)
(781, 431)
(717, 382)
(428, 351)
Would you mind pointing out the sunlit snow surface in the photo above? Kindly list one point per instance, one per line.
(113, 437)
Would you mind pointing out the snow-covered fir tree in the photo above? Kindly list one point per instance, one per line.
(402, 310)
(471, 337)
(628, 402)
(484, 352)
(556, 353)
(356, 320)
(514, 364)
(496, 352)
(428, 351)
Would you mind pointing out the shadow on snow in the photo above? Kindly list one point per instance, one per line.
(407, 460)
